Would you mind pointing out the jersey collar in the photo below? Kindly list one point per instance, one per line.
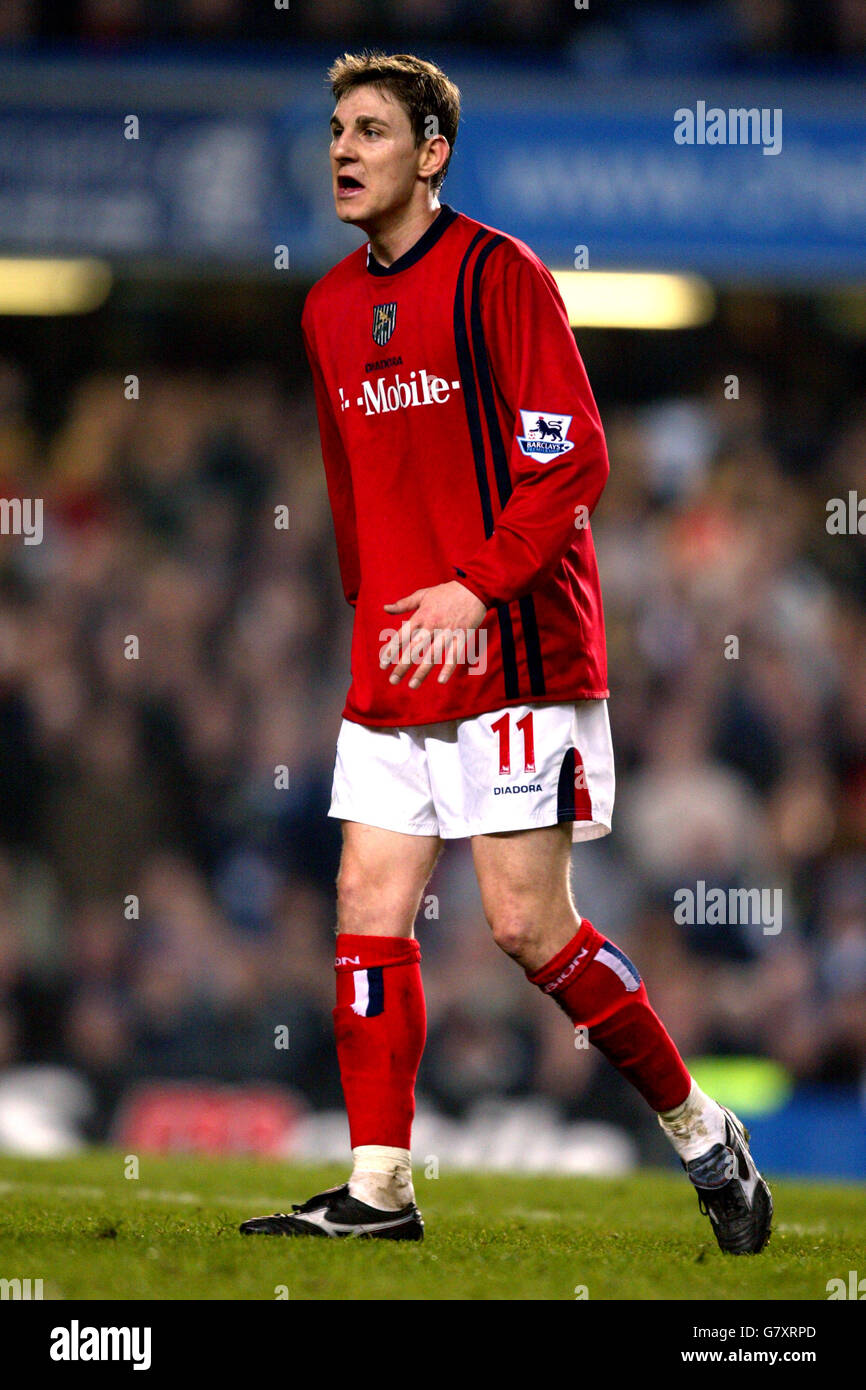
(443, 219)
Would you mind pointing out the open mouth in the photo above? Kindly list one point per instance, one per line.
(347, 185)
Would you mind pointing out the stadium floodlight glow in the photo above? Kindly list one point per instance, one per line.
(52, 286)
(635, 299)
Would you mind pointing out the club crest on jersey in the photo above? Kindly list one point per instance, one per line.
(544, 435)
(384, 318)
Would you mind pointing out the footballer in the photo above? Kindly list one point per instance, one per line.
(464, 456)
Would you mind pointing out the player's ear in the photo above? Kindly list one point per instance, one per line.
(434, 154)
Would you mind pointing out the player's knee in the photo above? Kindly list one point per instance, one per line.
(513, 932)
(369, 904)
(356, 900)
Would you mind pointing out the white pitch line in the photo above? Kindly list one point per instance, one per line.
(530, 1214)
(146, 1194)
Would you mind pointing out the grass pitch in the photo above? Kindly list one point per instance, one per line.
(89, 1232)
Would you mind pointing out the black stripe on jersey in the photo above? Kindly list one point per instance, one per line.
(498, 450)
(470, 398)
(476, 436)
(533, 645)
(499, 453)
(509, 651)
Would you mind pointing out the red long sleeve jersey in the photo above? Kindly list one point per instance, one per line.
(460, 439)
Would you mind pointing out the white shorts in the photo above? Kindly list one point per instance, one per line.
(516, 768)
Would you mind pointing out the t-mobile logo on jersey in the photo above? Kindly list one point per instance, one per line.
(379, 397)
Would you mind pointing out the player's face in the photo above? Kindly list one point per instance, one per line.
(374, 158)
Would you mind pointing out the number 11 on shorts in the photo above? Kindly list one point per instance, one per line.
(502, 727)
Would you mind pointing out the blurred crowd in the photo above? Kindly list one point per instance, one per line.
(654, 36)
(167, 901)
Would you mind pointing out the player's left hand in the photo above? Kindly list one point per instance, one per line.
(442, 612)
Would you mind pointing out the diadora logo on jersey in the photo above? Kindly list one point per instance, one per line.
(544, 435)
(525, 787)
(380, 396)
(384, 319)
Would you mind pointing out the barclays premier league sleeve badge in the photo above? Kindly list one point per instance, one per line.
(544, 434)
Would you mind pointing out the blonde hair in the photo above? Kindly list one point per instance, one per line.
(419, 86)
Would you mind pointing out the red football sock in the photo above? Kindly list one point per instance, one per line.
(380, 1024)
(595, 983)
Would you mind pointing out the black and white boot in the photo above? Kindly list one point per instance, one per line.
(732, 1193)
(337, 1213)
